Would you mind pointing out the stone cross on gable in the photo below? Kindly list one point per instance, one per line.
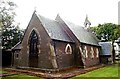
(87, 23)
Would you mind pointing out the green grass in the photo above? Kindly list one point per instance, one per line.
(2, 72)
(108, 71)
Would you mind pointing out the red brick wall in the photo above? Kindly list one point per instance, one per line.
(64, 60)
(91, 61)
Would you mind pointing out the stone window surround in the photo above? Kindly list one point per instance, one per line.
(38, 40)
(86, 51)
(70, 49)
(92, 52)
(97, 52)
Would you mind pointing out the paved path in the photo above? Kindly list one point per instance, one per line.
(61, 74)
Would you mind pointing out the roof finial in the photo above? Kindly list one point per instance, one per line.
(58, 16)
(87, 23)
(35, 9)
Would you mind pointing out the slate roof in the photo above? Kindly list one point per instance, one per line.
(106, 48)
(54, 29)
(17, 46)
(82, 34)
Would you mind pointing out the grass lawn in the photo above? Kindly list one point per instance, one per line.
(1, 72)
(108, 71)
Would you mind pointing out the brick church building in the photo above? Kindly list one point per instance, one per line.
(56, 44)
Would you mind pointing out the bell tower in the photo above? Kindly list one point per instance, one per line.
(87, 23)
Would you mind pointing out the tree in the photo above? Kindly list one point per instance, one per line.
(107, 31)
(116, 32)
(11, 33)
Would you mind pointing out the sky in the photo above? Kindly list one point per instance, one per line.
(98, 11)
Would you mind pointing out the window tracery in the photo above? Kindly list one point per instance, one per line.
(33, 43)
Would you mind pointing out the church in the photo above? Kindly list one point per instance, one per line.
(56, 44)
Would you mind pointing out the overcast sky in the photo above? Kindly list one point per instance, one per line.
(98, 11)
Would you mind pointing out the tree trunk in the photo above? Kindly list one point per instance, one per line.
(113, 52)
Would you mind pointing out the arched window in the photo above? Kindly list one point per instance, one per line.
(16, 55)
(68, 49)
(86, 51)
(33, 43)
(82, 51)
(92, 52)
(97, 52)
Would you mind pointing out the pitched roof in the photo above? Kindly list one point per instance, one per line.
(54, 29)
(106, 48)
(83, 35)
(17, 46)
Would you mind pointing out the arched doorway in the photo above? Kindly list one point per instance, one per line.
(33, 49)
